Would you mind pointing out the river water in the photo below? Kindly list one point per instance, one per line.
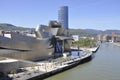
(104, 66)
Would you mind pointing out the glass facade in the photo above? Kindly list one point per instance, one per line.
(63, 16)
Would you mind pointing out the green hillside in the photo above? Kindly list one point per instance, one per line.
(10, 27)
(81, 32)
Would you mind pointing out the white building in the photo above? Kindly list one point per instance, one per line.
(75, 37)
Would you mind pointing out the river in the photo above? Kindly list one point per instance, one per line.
(104, 66)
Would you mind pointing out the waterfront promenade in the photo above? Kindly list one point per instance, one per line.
(93, 49)
(104, 66)
(49, 67)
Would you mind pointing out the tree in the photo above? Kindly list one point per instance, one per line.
(85, 43)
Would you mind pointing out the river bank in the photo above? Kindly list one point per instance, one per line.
(116, 43)
(48, 68)
(92, 49)
(105, 66)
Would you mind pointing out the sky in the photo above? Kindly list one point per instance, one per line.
(83, 14)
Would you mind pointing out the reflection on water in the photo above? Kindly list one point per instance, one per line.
(105, 66)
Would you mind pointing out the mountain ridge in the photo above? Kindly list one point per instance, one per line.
(11, 27)
(81, 32)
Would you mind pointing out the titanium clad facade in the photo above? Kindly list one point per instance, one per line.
(63, 16)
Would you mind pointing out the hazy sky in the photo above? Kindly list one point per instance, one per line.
(93, 14)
